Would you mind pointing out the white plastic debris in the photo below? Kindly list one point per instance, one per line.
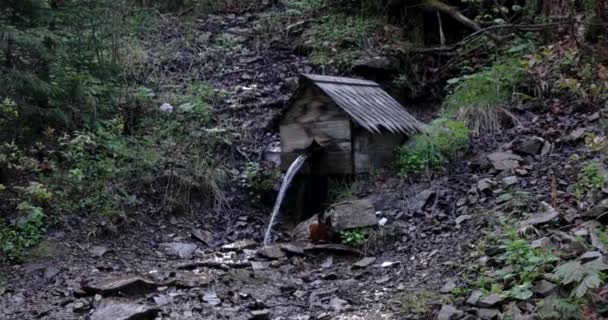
(382, 221)
(165, 107)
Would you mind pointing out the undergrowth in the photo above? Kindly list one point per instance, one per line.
(481, 99)
(431, 151)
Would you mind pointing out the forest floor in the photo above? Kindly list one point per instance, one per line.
(180, 267)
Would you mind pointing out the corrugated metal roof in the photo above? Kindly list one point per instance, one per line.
(368, 105)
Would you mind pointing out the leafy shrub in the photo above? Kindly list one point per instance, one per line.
(430, 151)
(16, 238)
(259, 181)
(582, 276)
(340, 39)
(528, 264)
(355, 237)
(480, 99)
(591, 178)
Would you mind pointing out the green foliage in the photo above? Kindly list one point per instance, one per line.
(480, 99)
(16, 238)
(341, 190)
(430, 151)
(582, 276)
(591, 178)
(339, 39)
(527, 264)
(259, 180)
(355, 237)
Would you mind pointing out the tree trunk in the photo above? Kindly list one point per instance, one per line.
(558, 8)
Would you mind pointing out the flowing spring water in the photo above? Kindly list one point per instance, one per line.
(291, 172)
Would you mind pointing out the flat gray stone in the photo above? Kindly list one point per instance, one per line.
(98, 251)
(448, 286)
(504, 160)
(447, 312)
(474, 297)
(488, 314)
(489, 301)
(509, 181)
(364, 262)
(543, 288)
(115, 310)
(240, 245)
(352, 214)
(179, 249)
(50, 272)
(590, 255)
(125, 284)
(271, 252)
(263, 314)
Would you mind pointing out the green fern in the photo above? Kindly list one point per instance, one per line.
(585, 276)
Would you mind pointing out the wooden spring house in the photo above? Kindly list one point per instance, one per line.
(356, 122)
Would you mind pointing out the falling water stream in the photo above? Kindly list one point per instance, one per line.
(291, 172)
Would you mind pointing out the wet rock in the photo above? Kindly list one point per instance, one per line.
(352, 214)
(544, 243)
(462, 219)
(488, 314)
(509, 181)
(448, 312)
(543, 288)
(474, 297)
(327, 263)
(98, 251)
(504, 198)
(179, 249)
(539, 219)
(259, 265)
(115, 310)
(484, 185)
(191, 279)
(211, 298)
(338, 304)
(364, 262)
(504, 160)
(420, 200)
(50, 272)
(528, 145)
(271, 252)
(590, 255)
(203, 236)
(335, 248)
(163, 300)
(599, 211)
(448, 286)
(292, 248)
(547, 149)
(577, 134)
(126, 284)
(240, 245)
(263, 314)
(490, 301)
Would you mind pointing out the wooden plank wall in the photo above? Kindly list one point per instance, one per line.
(314, 116)
(374, 150)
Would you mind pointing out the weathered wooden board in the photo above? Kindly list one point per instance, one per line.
(312, 105)
(338, 163)
(373, 150)
(331, 135)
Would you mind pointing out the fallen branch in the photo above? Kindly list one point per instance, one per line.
(455, 13)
